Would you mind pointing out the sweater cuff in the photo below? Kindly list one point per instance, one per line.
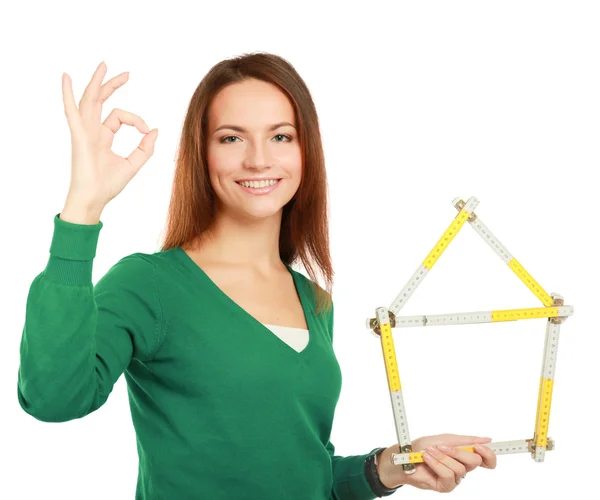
(367, 482)
(355, 479)
(72, 252)
(74, 241)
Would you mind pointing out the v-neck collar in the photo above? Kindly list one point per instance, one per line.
(300, 290)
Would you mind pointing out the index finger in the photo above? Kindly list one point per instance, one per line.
(143, 152)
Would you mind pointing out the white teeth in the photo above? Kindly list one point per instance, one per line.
(258, 184)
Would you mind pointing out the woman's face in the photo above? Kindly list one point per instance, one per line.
(246, 140)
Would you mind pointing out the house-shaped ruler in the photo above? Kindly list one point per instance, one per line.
(387, 318)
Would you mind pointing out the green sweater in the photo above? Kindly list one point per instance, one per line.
(222, 408)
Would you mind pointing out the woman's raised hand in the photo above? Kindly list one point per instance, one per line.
(98, 174)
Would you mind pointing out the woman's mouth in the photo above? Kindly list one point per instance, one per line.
(260, 190)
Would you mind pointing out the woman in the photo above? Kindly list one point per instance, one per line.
(226, 350)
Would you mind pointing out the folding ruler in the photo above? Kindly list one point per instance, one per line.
(386, 319)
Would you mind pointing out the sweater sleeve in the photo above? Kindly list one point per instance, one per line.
(79, 338)
(349, 479)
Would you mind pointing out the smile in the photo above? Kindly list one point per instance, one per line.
(260, 191)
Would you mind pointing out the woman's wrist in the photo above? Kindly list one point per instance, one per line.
(390, 475)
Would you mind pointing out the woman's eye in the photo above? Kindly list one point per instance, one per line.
(228, 137)
(224, 139)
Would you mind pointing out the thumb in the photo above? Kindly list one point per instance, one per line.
(480, 440)
(455, 440)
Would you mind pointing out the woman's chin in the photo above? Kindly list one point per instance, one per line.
(264, 213)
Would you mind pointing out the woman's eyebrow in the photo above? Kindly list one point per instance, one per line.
(237, 128)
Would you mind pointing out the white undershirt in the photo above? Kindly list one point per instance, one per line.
(296, 338)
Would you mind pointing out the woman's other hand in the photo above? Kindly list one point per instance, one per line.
(444, 470)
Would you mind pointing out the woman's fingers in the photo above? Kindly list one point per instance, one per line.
(449, 470)
(90, 107)
(144, 151)
(118, 117)
(94, 96)
(71, 111)
(487, 455)
(111, 85)
(460, 440)
(469, 459)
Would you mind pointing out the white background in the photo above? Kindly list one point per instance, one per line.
(419, 103)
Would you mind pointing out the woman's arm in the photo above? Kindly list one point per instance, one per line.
(78, 338)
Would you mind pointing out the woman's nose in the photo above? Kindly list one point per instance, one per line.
(257, 155)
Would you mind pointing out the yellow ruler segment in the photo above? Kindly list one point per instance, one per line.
(389, 357)
(537, 413)
(530, 313)
(446, 238)
(541, 430)
(533, 285)
(417, 456)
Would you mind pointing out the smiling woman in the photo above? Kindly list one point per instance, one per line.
(224, 346)
(252, 119)
(258, 154)
(223, 404)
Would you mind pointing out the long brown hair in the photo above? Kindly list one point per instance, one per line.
(304, 232)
